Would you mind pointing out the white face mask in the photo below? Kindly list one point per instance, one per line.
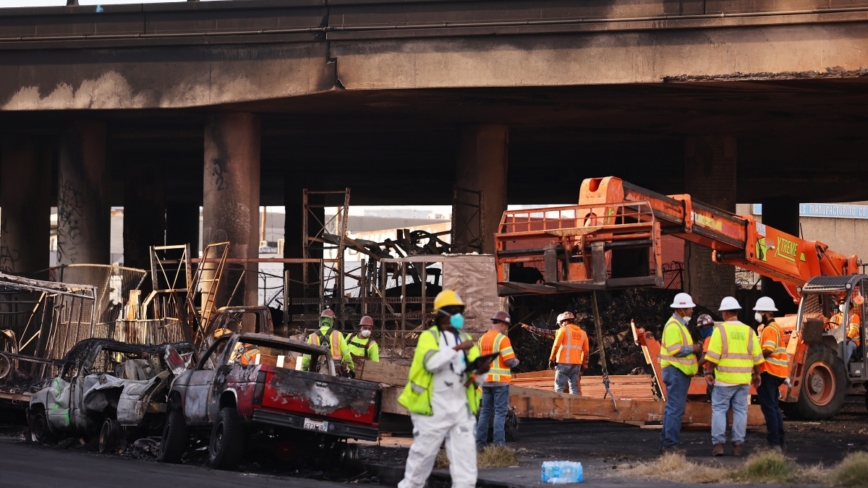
(758, 317)
(686, 318)
(365, 333)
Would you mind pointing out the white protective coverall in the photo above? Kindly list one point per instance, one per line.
(451, 420)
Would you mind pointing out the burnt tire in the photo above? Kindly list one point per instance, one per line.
(110, 435)
(39, 427)
(227, 440)
(174, 440)
(824, 385)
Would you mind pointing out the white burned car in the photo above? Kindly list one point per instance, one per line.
(108, 388)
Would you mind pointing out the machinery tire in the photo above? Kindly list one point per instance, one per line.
(174, 440)
(39, 427)
(824, 386)
(227, 440)
(109, 435)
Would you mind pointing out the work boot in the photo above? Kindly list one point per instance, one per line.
(718, 450)
(737, 450)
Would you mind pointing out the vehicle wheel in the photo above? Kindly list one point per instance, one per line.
(227, 440)
(174, 440)
(824, 386)
(39, 427)
(109, 435)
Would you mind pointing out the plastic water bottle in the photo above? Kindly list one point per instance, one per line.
(561, 472)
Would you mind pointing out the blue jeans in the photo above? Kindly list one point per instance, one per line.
(496, 399)
(568, 373)
(767, 393)
(721, 399)
(677, 384)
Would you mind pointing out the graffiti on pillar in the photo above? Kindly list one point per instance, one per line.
(214, 235)
(8, 257)
(219, 171)
(70, 208)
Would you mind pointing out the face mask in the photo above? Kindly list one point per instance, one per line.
(758, 317)
(457, 321)
(687, 318)
(365, 333)
(706, 332)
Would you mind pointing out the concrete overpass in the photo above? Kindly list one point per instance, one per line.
(161, 108)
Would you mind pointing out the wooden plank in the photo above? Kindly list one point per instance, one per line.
(628, 410)
(390, 401)
(388, 373)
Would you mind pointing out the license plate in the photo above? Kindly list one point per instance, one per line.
(317, 425)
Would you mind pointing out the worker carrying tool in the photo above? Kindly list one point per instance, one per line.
(735, 356)
(569, 356)
(362, 345)
(495, 390)
(678, 364)
(773, 371)
(328, 337)
(443, 398)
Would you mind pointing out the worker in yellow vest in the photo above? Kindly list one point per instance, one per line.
(678, 364)
(443, 398)
(361, 344)
(569, 354)
(735, 356)
(327, 336)
(773, 372)
(495, 390)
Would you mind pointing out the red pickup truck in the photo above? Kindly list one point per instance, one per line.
(247, 384)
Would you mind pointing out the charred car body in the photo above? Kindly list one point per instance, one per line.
(108, 387)
(246, 386)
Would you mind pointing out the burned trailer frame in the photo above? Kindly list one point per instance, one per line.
(42, 321)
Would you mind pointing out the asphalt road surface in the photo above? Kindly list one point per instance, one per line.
(29, 465)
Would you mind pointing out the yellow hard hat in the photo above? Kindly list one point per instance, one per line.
(221, 332)
(447, 298)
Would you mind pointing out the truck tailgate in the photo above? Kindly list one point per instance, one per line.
(318, 395)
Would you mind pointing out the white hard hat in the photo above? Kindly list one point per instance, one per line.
(765, 304)
(729, 303)
(565, 316)
(682, 300)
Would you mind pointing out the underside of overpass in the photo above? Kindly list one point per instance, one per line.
(155, 108)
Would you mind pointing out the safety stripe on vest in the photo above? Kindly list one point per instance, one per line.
(568, 345)
(429, 355)
(417, 388)
(676, 347)
(777, 362)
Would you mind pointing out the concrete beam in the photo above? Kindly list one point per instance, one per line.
(231, 199)
(25, 200)
(83, 218)
(483, 160)
(709, 177)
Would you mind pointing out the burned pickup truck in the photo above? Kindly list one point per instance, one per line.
(249, 386)
(110, 388)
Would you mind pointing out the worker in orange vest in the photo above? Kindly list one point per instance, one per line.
(569, 356)
(495, 390)
(854, 329)
(773, 371)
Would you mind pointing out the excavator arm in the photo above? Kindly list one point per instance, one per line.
(612, 238)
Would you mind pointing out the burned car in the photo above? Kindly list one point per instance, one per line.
(249, 386)
(110, 388)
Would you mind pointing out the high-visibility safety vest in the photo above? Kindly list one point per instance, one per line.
(330, 336)
(854, 329)
(364, 347)
(249, 355)
(491, 342)
(777, 363)
(417, 394)
(675, 337)
(735, 349)
(571, 345)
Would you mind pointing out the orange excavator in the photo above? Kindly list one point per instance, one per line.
(612, 239)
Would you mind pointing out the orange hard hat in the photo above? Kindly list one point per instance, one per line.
(366, 320)
(328, 313)
(501, 316)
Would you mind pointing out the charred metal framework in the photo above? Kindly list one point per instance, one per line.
(467, 220)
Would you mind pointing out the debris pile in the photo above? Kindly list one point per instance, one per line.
(647, 307)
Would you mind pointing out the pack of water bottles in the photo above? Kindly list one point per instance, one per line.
(561, 472)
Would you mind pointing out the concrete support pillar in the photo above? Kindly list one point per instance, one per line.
(25, 200)
(483, 160)
(144, 215)
(782, 214)
(710, 177)
(83, 218)
(182, 225)
(231, 198)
